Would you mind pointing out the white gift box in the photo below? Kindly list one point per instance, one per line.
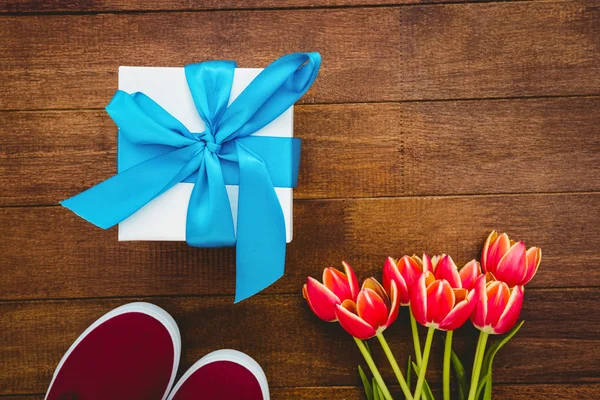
(164, 217)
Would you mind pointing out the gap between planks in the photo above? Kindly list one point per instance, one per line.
(407, 3)
(341, 387)
(200, 296)
(349, 103)
(375, 198)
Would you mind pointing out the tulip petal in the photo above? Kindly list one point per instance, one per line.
(418, 300)
(321, 300)
(498, 294)
(352, 281)
(511, 312)
(469, 274)
(534, 257)
(391, 273)
(458, 316)
(312, 308)
(319, 312)
(486, 249)
(434, 261)
(337, 282)
(351, 322)
(497, 250)
(305, 295)
(480, 312)
(395, 306)
(512, 267)
(426, 264)
(373, 284)
(440, 300)
(409, 269)
(446, 269)
(371, 308)
(388, 271)
(489, 277)
(429, 278)
(460, 295)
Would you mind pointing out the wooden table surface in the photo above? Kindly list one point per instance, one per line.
(429, 125)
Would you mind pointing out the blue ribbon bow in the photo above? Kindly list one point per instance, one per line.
(166, 153)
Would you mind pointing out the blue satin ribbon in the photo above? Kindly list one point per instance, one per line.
(163, 152)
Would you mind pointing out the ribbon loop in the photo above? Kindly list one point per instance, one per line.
(166, 153)
(272, 92)
(210, 85)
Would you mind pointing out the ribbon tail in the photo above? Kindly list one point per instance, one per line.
(209, 220)
(115, 199)
(261, 243)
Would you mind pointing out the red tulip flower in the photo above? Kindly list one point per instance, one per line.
(498, 306)
(448, 309)
(373, 311)
(443, 267)
(436, 304)
(404, 272)
(508, 260)
(337, 287)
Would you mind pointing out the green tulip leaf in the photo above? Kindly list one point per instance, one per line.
(488, 360)
(459, 371)
(376, 391)
(380, 393)
(427, 393)
(366, 384)
(408, 372)
(482, 383)
(488, 388)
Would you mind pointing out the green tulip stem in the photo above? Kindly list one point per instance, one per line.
(373, 368)
(447, 355)
(423, 367)
(479, 352)
(416, 340)
(395, 366)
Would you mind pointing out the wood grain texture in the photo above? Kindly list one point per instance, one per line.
(352, 150)
(66, 6)
(48, 252)
(293, 346)
(417, 52)
(501, 392)
(507, 391)
(509, 49)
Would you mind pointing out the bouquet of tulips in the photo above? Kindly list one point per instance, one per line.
(441, 297)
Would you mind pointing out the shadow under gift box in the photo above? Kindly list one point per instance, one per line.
(164, 218)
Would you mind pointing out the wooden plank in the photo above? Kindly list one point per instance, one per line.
(48, 252)
(297, 349)
(500, 391)
(418, 52)
(65, 6)
(505, 49)
(350, 150)
(589, 391)
(345, 38)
